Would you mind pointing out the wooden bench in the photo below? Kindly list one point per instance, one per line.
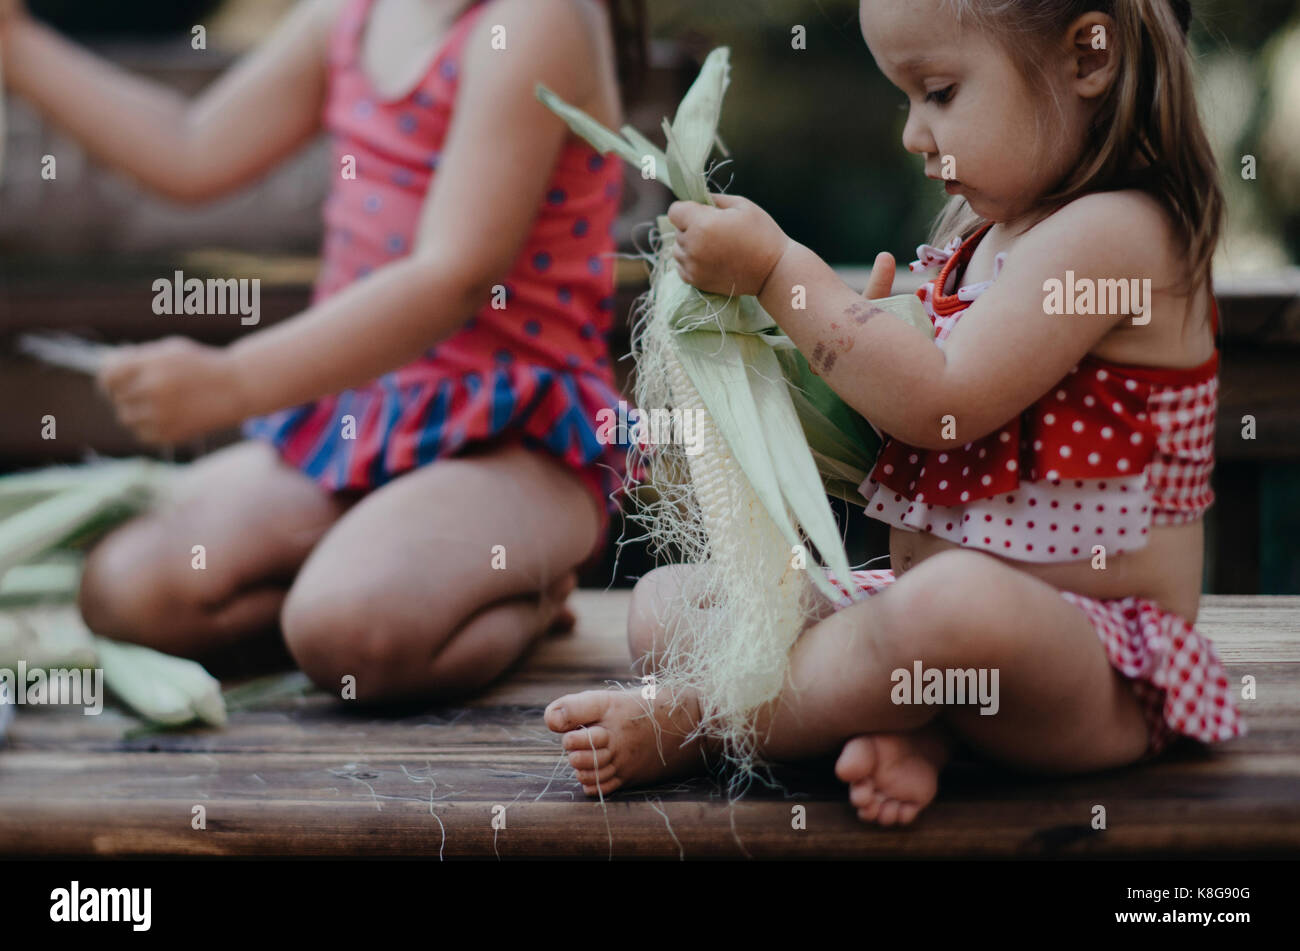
(304, 775)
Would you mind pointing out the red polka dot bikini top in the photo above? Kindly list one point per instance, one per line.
(1108, 451)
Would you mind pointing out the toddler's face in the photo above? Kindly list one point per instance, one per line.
(970, 112)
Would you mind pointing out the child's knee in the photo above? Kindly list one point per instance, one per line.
(132, 588)
(110, 603)
(941, 611)
(641, 631)
(650, 607)
(341, 632)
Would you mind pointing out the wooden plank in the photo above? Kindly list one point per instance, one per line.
(302, 804)
(308, 775)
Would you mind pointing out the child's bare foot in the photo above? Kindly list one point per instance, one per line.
(893, 776)
(617, 738)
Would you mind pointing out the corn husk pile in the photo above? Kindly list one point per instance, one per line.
(749, 510)
(46, 517)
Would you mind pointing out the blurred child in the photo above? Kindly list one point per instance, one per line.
(421, 475)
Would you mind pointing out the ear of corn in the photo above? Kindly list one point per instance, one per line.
(47, 636)
(57, 518)
(65, 350)
(164, 689)
(54, 578)
(42, 515)
(775, 440)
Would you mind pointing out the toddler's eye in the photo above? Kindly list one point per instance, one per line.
(940, 96)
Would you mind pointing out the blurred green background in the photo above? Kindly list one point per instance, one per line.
(816, 134)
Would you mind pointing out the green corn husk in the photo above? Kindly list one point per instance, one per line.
(44, 636)
(842, 445)
(65, 507)
(776, 441)
(55, 577)
(44, 516)
(163, 689)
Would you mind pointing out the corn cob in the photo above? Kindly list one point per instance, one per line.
(53, 578)
(43, 511)
(44, 636)
(164, 689)
(774, 440)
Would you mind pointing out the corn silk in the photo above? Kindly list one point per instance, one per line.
(748, 511)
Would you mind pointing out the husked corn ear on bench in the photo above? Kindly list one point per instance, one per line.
(297, 773)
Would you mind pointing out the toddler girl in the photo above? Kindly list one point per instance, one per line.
(1046, 468)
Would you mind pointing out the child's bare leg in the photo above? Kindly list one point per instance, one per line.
(410, 594)
(622, 737)
(257, 519)
(1061, 706)
(618, 737)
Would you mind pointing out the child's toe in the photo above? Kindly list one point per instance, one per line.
(590, 777)
(575, 710)
(862, 793)
(857, 759)
(871, 811)
(586, 738)
(591, 759)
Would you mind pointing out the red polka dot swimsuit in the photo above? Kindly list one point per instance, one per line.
(532, 365)
(1103, 455)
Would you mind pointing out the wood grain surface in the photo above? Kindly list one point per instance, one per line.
(299, 773)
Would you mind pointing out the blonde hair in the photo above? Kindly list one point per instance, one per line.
(1146, 132)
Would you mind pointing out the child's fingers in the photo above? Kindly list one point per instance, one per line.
(134, 413)
(683, 214)
(684, 267)
(119, 369)
(726, 201)
(881, 282)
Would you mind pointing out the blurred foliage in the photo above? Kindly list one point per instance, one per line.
(815, 134)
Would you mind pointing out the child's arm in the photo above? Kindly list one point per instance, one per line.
(260, 111)
(1004, 354)
(499, 156)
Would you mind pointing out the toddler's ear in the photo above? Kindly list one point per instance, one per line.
(1094, 63)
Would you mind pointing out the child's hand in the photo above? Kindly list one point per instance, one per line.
(728, 250)
(172, 389)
